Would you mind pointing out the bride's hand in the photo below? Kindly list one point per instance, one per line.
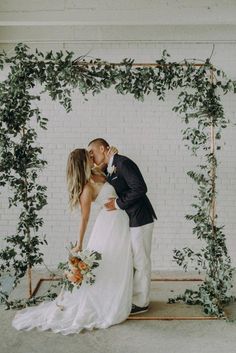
(112, 151)
(77, 248)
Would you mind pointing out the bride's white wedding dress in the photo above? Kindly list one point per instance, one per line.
(108, 301)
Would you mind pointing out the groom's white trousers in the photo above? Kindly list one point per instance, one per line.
(141, 241)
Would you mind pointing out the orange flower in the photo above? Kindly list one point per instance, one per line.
(75, 276)
(82, 265)
(76, 271)
(74, 260)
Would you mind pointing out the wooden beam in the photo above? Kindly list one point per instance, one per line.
(177, 280)
(78, 62)
(164, 279)
(169, 318)
(148, 318)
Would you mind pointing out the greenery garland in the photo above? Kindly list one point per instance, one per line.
(59, 74)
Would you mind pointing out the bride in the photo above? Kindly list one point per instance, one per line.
(109, 300)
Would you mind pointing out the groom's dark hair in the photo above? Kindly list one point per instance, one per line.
(100, 142)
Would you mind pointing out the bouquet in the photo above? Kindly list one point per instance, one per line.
(79, 268)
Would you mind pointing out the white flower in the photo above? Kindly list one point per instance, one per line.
(111, 169)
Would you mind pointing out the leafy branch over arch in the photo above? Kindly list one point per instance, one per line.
(59, 74)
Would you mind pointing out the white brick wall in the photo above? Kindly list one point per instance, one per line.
(122, 12)
(149, 133)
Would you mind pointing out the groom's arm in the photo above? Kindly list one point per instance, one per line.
(134, 179)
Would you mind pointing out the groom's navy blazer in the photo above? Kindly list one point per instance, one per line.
(131, 190)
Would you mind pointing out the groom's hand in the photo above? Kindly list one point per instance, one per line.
(110, 205)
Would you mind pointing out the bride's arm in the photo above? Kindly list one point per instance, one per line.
(85, 205)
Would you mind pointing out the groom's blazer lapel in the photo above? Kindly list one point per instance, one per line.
(116, 156)
(106, 172)
(113, 176)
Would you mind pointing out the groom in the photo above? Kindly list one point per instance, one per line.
(124, 175)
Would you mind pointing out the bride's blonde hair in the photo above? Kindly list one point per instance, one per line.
(78, 173)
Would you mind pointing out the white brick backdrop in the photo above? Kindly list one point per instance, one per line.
(149, 133)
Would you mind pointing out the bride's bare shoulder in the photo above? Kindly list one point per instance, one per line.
(87, 193)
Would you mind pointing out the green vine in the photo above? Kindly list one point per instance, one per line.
(213, 259)
(59, 75)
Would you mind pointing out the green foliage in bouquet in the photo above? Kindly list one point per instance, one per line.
(59, 74)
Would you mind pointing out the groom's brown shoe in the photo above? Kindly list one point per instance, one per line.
(138, 310)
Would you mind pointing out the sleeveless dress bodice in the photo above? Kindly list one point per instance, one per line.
(107, 191)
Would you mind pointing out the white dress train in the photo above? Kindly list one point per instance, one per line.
(108, 301)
